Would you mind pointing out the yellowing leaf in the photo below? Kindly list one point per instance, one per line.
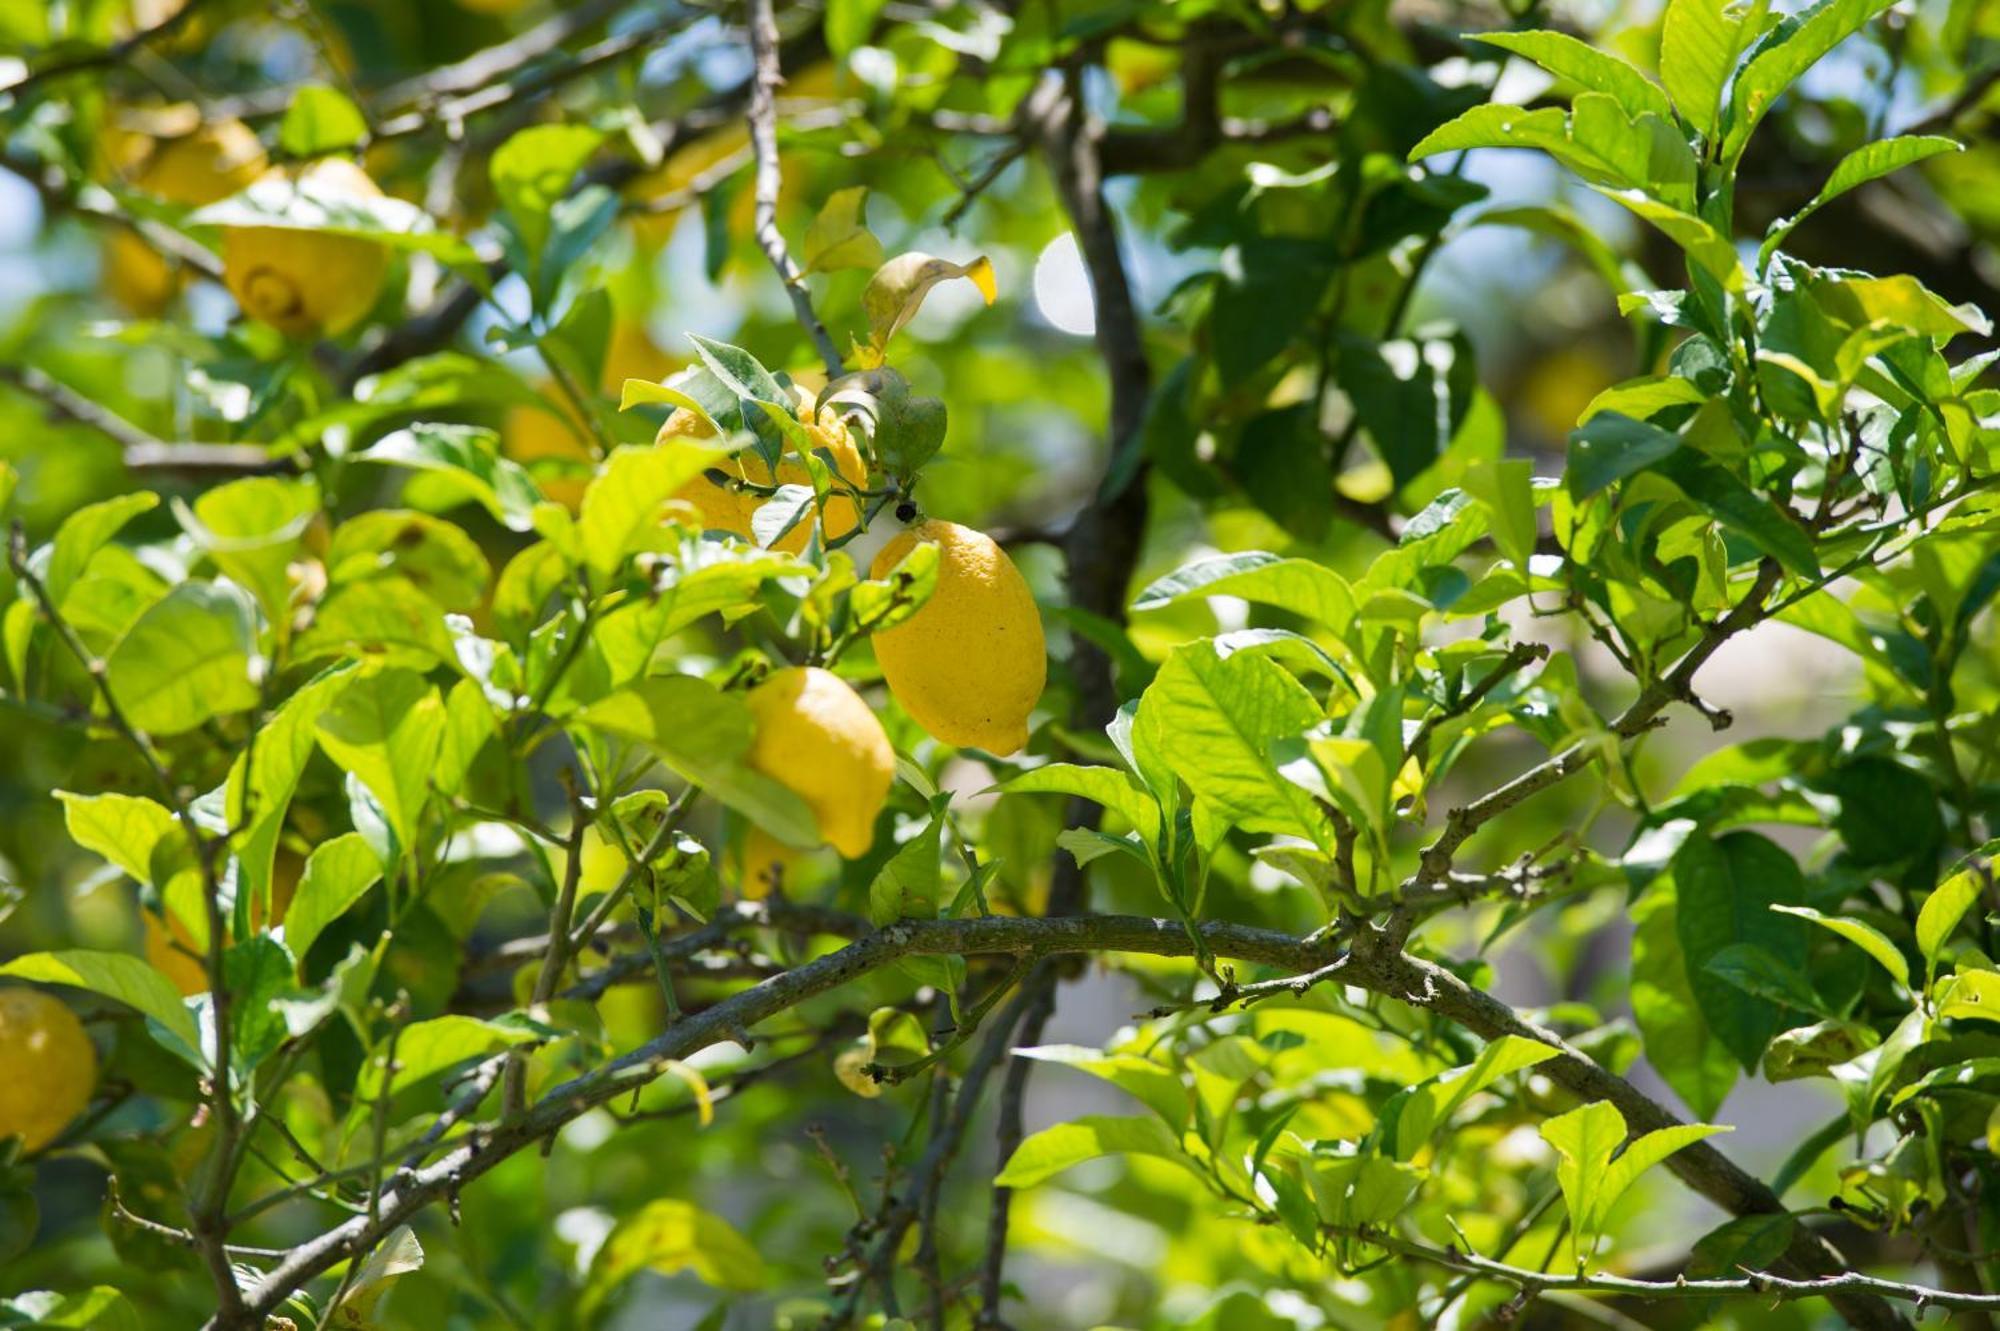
(704, 1101)
(839, 237)
(669, 1236)
(897, 291)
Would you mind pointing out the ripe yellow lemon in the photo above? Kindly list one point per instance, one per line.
(817, 738)
(213, 162)
(970, 664)
(47, 1066)
(304, 283)
(724, 508)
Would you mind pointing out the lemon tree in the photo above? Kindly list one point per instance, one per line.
(1140, 665)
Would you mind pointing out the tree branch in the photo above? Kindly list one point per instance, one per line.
(141, 450)
(1372, 966)
(1756, 1284)
(105, 57)
(764, 139)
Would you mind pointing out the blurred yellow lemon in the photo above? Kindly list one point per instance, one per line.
(47, 1066)
(213, 162)
(306, 283)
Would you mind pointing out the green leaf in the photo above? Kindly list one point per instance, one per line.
(1492, 125)
(1610, 446)
(1970, 996)
(426, 1048)
(1506, 488)
(384, 620)
(1727, 886)
(1364, 1189)
(621, 508)
(1598, 140)
(437, 557)
(1587, 67)
(191, 657)
(85, 532)
(313, 201)
(1944, 908)
(839, 236)
(115, 975)
(670, 1236)
(1679, 1044)
(1642, 1155)
(1754, 970)
(263, 780)
(1864, 936)
(1410, 395)
(848, 24)
(1052, 1150)
(1218, 719)
(534, 169)
(1590, 1179)
(319, 121)
(1111, 787)
(338, 873)
(703, 733)
(1302, 586)
(909, 884)
(470, 456)
(1585, 1138)
(126, 830)
(1641, 398)
(1699, 47)
(1159, 1088)
(386, 730)
(99, 1308)
(741, 373)
(1718, 492)
(1704, 246)
(251, 529)
(1780, 59)
(1428, 1106)
(1869, 162)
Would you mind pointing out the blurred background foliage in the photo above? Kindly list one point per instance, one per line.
(1499, 278)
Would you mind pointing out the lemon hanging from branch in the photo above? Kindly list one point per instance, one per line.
(816, 737)
(969, 666)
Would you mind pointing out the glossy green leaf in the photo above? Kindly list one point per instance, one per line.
(1871, 161)
(1302, 586)
(1727, 886)
(190, 658)
(470, 457)
(115, 975)
(386, 730)
(1054, 1149)
(337, 874)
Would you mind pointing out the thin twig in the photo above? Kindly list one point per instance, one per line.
(118, 53)
(764, 140)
